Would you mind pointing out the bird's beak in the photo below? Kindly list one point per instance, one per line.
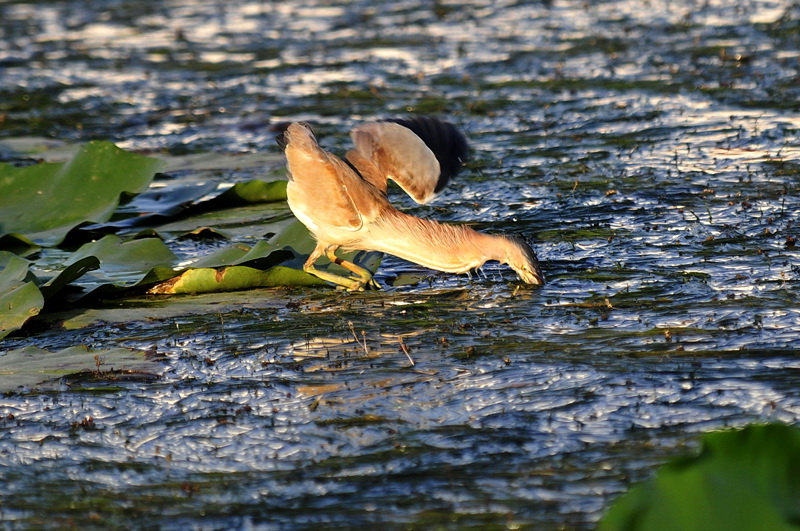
(532, 276)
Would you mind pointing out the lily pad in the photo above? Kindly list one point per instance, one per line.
(208, 280)
(20, 298)
(135, 255)
(45, 201)
(121, 265)
(296, 236)
(274, 263)
(160, 206)
(251, 192)
(31, 366)
(746, 479)
(69, 274)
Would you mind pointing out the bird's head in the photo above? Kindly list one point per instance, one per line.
(521, 258)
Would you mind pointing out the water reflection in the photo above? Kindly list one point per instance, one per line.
(652, 168)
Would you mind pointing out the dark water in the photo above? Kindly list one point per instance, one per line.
(648, 149)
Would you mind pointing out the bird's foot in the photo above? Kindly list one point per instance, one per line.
(360, 283)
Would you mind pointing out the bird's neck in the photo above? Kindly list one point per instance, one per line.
(450, 248)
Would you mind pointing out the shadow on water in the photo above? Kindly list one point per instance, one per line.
(650, 154)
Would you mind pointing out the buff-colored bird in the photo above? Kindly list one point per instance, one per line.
(344, 203)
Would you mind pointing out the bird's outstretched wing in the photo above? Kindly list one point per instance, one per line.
(322, 185)
(421, 154)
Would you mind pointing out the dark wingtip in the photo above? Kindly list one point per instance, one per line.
(447, 143)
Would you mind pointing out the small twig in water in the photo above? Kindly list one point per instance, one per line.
(355, 336)
(364, 339)
(404, 348)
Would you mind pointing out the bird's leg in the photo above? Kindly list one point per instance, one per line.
(363, 274)
(350, 284)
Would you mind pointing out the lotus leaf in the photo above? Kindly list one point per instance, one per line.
(31, 366)
(69, 274)
(746, 479)
(160, 206)
(45, 201)
(207, 280)
(20, 298)
(134, 256)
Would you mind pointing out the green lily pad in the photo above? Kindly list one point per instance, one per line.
(296, 236)
(251, 192)
(160, 206)
(69, 274)
(746, 479)
(273, 263)
(45, 201)
(121, 265)
(208, 280)
(228, 255)
(31, 366)
(20, 298)
(134, 256)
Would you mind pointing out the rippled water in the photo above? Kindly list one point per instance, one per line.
(648, 149)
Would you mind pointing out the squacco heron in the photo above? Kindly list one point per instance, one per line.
(344, 204)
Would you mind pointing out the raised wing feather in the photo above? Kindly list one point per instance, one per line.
(420, 154)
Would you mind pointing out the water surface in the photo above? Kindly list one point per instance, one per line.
(648, 150)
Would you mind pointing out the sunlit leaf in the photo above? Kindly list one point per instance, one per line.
(45, 201)
(31, 366)
(273, 263)
(745, 479)
(208, 280)
(260, 269)
(253, 192)
(20, 298)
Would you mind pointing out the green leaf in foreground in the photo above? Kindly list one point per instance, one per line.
(746, 479)
(45, 201)
(31, 366)
(20, 298)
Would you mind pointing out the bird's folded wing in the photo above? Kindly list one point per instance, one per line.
(324, 187)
